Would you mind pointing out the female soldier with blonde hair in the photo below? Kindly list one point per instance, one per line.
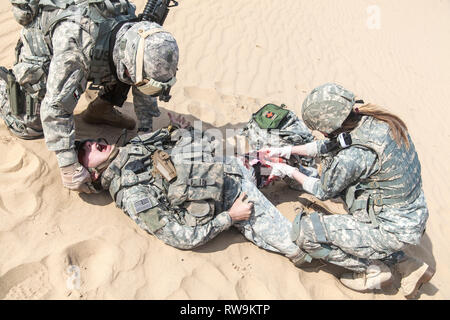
(370, 162)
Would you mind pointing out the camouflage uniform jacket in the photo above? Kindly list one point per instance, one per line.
(63, 53)
(192, 209)
(379, 181)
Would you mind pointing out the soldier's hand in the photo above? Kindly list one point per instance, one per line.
(241, 209)
(283, 152)
(281, 170)
(76, 177)
(178, 121)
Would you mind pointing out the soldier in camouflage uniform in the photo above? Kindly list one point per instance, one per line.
(204, 199)
(64, 45)
(378, 176)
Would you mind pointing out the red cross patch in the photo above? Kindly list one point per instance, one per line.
(269, 115)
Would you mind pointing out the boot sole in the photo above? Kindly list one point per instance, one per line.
(384, 285)
(426, 277)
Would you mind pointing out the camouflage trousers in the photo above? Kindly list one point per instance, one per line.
(23, 126)
(344, 241)
(267, 227)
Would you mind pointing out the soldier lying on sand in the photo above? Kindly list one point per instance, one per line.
(170, 184)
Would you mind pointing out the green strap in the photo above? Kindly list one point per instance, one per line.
(199, 182)
(29, 103)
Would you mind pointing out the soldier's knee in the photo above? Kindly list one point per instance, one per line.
(310, 234)
(308, 228)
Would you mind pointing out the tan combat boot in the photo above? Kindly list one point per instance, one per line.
(414, 274)
(100, 111)
(377, 276)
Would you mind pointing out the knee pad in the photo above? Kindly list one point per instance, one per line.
(309, 233)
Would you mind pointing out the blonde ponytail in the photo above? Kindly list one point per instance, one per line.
(399, 131)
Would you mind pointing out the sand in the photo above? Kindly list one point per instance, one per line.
(234, 57)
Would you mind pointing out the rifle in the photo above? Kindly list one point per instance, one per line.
(157, 10)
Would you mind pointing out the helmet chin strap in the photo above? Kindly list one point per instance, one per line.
(148, 87)
(102, 166)
(140, 52)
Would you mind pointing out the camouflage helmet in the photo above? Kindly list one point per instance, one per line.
(24, 11)
(150, 55)
(326, 107)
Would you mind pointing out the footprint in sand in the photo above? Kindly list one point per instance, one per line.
(250, 288)
(197, 286)
(22, 178)
(92, 261)
(19, 167)
(81, 267)
(27, 281)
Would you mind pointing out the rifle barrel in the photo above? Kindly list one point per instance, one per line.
(148, 9)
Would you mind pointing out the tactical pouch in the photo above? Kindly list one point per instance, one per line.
(270, 116)
(198, 212)
(16, 96)
(198, 189)
(163, 165)
(197, 181)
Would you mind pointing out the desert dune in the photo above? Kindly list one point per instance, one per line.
(235, 56)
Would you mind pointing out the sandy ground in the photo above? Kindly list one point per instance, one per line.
(235, 56)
